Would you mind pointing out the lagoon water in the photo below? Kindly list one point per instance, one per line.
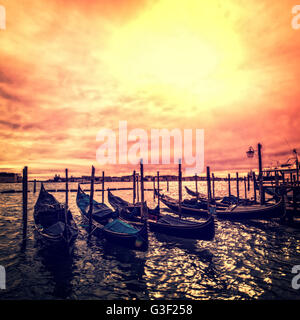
(249, 260)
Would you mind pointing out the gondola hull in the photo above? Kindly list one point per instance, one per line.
(173, 226)
(253, 212)
(185, 210)
(200, 231)
(50, 222)
(59, 245)
(117, 203)
(137, 240)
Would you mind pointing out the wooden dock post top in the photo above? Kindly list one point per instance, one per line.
(25, 200)
(179, 188)
(208, 184)
(91, 204)
(259, 147)
(102, 186)
(67, 188)
(142, 188)
(158, 196)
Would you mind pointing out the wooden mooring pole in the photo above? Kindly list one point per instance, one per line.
(276, 179)
(103, 181)
(297, 166)
(91, 199)
(167, 184)
(260, 175)
(229, 189)
(245, 185)
(142, 189)
(67, 188)
(213, 185)
(248, 181)
(137, 188)
(254, 185)
(237, 187)
(196, 185)
(34, 186)
(133, 186)
(294, 204)
(25, 200)
(154, 196)
(158, 196)
(179, 188)
(261, 190)
(208, 185)
(66, 204)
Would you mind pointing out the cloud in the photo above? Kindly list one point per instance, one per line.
(70, 68)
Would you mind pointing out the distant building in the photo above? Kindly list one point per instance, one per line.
(148, 178)
(57, 178)
(115, 179)
(6, 177)
(168, 177)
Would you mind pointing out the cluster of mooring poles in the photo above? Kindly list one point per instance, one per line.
(138, 192)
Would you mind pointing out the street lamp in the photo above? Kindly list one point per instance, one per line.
(250, 154)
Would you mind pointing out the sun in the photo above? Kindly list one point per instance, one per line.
(185, 49)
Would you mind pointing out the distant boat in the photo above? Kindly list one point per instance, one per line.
(105, 223)
(167, 224)
(53, 223)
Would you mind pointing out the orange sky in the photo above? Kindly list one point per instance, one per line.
(69, 68)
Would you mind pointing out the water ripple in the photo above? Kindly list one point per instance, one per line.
(250, 260)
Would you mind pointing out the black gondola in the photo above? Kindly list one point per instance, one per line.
(256, 211)
(168, 224)
(135, 209)
(186, 207)
(194, 193)
(53, 223)
(105, 223)
(222, 203)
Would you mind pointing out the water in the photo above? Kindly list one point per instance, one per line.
(251, 260)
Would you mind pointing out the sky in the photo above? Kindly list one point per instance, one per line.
(69, 68)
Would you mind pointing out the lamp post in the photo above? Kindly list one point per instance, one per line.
(250, 154)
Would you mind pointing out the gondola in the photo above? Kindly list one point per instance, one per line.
(256, 211)
(186, 207)
(53, 223)
(231, 200)
(221, 202)
(117, 203)
(168, 224)
(195, 193)
(105, 223)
